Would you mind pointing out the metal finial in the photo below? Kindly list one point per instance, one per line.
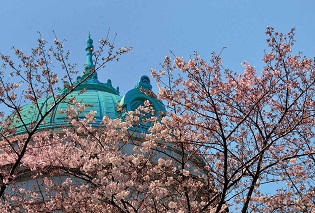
(89, 49)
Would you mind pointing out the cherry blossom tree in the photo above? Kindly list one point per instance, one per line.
(30, 78)
(255, 130)
(240, 142)
(84, 169)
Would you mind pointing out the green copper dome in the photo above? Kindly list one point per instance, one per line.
(100, 97)
(103, 103)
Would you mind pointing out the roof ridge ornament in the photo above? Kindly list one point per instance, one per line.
(144, 83)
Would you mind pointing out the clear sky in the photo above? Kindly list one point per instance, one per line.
(153, 28)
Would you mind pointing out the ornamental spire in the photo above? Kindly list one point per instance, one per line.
(89, 49)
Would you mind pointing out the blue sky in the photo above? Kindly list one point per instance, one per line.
(153, 28)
